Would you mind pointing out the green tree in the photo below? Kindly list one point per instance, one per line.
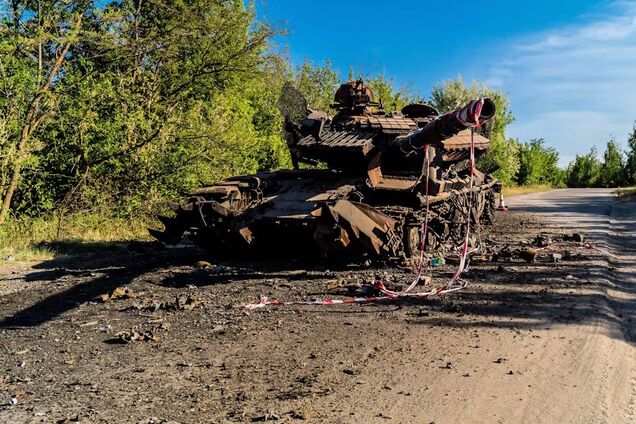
(538, 164)
(35, 46)
(613, 167)
(384, 91)
(584, 171)
(502, 159)
(630, 162)
(165, 96)
(317, 83)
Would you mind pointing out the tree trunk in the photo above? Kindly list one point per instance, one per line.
(15, 174)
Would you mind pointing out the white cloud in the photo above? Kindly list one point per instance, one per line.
(576, 86)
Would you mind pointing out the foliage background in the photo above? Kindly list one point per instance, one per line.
(109, 109)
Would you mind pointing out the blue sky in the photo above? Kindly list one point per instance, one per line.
(569, 67)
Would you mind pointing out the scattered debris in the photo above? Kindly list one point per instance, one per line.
(555, 257)
(542, 240)
(528, 254)
(576, 237)
(217, 269)
(135, 336)
(300, 415)
(482, 258)
(452, 260)
(435, 262)
(106, 329)
(503, 254)
(181, 303)
(381, 415)
(203, 265)
(352, 284)
(118, 293)
(268, 416)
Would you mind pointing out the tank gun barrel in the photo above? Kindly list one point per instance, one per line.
(476, 112)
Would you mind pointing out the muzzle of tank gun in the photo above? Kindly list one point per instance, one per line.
(475, 113)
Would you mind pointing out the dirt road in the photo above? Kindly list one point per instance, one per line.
(540, 342)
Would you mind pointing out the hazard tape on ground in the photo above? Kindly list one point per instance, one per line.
(388, 297)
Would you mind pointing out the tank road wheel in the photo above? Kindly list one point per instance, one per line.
(412, 240)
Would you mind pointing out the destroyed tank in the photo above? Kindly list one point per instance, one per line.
(360, 185)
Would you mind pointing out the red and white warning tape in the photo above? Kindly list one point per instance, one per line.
(388, 295)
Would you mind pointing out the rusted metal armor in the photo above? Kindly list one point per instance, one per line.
(367, 200)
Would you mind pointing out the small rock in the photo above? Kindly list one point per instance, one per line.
(106, 329)
(203, 265)
(269, 416)
(555, 257)
(542, 241)
(300, 415)
(528, 254)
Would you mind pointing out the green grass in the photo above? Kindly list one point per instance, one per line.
(626, 191)
(42, 239)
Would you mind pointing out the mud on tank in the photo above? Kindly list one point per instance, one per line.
(369, 201)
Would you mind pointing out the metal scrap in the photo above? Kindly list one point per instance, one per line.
(181, 303)
(118, 293)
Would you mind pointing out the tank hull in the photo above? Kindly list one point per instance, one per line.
(322, 213)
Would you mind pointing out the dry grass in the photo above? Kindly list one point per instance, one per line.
(40, 239)
(516, 191)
